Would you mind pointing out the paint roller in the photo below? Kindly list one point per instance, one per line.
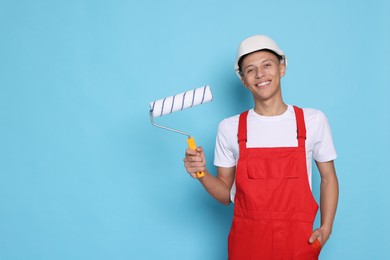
(179, 102)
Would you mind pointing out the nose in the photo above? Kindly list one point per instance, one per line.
(259, 73)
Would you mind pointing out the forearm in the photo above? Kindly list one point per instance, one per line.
(328, 201)
(329, 195)
(216, 187)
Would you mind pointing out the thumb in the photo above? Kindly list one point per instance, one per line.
(314, 236)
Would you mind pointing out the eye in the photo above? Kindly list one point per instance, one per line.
(267, 65)
(249, 71)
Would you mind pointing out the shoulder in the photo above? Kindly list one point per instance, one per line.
(316, 122)
(229, 123)
(228, 129)
(314, 116)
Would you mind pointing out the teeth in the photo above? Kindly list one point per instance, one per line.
(263, 84)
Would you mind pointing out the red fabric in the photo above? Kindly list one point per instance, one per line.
(274, 208)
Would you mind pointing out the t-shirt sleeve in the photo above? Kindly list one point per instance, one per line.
(324, 149)
(223, 154)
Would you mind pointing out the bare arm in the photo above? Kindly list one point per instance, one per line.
(329, 194)
(217, 186)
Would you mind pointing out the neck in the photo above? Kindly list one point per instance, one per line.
(270, 108)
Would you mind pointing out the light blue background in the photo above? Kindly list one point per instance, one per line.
(83, 173)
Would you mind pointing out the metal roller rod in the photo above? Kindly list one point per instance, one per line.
(167, 128)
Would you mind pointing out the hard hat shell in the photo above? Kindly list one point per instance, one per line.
(257, 43)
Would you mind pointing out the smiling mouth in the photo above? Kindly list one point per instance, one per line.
(263, 84)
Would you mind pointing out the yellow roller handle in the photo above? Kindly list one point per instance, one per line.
(192, 145)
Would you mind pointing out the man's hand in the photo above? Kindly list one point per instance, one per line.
(195, 161)
(321, 234)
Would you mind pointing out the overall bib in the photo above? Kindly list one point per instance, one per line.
(274, 208)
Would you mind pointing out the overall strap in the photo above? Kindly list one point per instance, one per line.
(242, 133)
(301, 127)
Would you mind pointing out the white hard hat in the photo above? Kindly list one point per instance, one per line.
(257, 43)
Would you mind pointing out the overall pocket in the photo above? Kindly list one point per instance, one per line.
(271, 168)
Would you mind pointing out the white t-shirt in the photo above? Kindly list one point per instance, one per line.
(275, 131)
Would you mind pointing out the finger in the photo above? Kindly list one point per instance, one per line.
(203, 157)
(191, 152)
(195, 162)
(314, 236)
(193, 171)
(201, 154)
(193, 175)
(199, 149)
(196, 166)
(194, 156)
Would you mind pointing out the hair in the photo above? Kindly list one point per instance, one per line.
(280, 58)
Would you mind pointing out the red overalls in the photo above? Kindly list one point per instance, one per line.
(274, 208)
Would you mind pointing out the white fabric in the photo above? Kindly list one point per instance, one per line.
(257, 43)
(181, 101)
(275, 131)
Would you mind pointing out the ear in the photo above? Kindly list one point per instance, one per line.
(243, 81)
(282, 69)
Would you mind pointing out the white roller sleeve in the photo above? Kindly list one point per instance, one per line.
(181, 101)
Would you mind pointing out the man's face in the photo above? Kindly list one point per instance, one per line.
(261, 74)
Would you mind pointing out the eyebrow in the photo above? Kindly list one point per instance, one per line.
(256, 62)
